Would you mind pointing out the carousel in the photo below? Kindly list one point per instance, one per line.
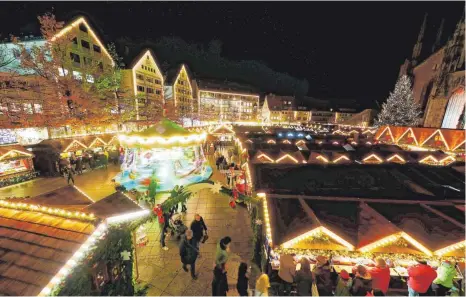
(166, 151)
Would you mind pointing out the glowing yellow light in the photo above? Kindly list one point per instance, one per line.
(76, 23)
(286, 156)
(397, 157)
(82, 192)
(266, 217)
(316, 231)
(448, 158)
(286, 141)
(71, 144)
(368, 131)
(322, 158)
(162, 140)
(373, 156)
(389, 131)
(340, 158)
(411, 240)
(441, 136)
(271, 141)
(300, 142)
(95, 141)
(379, 243)
(223, 126)
(244, 150)
(265, 156)
(14, 151)
(183, 69)
(338, 238)
(450, 248)
(249, 140)
(429, 157)
(461, 143)
(227, 93)
(261, 195)
(412, 133)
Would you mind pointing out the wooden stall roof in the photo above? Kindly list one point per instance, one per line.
(113, 205)
(67, 197)
(34, 247)
(5, 149)
(381, 181)
(361, 222)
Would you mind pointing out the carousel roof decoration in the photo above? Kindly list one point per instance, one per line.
(12, 151)
(164, 134)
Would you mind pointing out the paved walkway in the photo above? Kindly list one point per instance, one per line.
(97, 184)
(162, 269)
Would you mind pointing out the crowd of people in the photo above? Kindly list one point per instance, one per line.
(323, 280)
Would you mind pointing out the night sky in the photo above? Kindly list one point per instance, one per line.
(346, 50)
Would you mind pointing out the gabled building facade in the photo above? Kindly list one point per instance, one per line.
(179, 95)
(278, 109)
(144, 82)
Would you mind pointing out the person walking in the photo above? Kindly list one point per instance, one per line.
(262, 285)
(286, 273)
(243, 279)
(220, 281)
(322, 276)
(79, 165)
(362, 282)
(223, 250)
(420, 278)
(69, 174)
(380, 275)
(164, 224)
(198, 227)
(303, 278)
(344, 283)
(189, 252)
(446, 272)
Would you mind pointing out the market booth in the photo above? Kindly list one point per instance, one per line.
(167, 152)
(15, 165)
(351, 232)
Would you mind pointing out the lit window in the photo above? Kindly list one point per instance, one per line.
(62, 72)
(37, 108)
(77, 75)
(90, 78)
(27, 107)
(140, 88)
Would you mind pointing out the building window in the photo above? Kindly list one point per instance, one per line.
(150, 80)
(150, 91)
(83, 28)
(140, 76)
(158, 92)
(37, 108)
(27, 107)
(141, 101)
(85, 44)
(140, 89)
(62, 71)
(96, 48)
(75, 58)
(75, 41)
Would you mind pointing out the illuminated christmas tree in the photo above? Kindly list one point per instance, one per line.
(400, 108)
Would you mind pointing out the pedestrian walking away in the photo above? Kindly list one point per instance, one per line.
(189, 253)
(69, 175)
(164, 230)
(243, 279)
(220, 281)
(198, 227)
(223, 250)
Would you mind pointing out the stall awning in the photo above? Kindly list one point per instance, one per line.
(12, 151)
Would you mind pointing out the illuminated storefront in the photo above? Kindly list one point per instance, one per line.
(455, 110)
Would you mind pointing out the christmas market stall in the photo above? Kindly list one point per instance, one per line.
(167, 152)
(16, 165)
(52, 251)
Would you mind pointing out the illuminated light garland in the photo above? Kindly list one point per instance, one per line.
(354, 143)
(148, 53)
(441, 135)
(95, 140)
(379, 243)
(389, 131)
(286, 156)
(244, 150)
(286, 141)
(183, 68)
(271, 141)
(14, 151)
(444, 159)
(412, 133)
(162, 140)
(227, 93)
(47, 210)
(369, 143)
(128, 216)
(267, 157)
(224, 126)
(373, 156)
(73, 142)
(322, 158)
(353, 131)
(82, 192)
(368, 131)
(450, 248)
(300, 141)
(76, 23)
(314, 232)
(335, 143)
(429, 157)
(304, 162)
(397, 157)
(249, 140)
(341, 157)
(419, 246)
(461, 143)
(268, 229)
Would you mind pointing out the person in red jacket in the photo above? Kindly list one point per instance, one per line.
(380, 275)
(420, 278)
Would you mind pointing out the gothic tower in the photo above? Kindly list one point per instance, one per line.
(438, 38)
(418, 47)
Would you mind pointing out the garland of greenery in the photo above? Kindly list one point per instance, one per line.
(18, 179)
(177, 195)
(118, 238)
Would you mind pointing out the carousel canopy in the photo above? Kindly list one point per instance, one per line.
(164, 134)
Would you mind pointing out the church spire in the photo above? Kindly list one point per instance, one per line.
(417, 48)
(438, 38)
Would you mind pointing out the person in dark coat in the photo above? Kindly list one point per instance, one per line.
(164, 226)
(243, 279)
(198, 227)
(189, 253)
(322, 276)
(362, 282)
(69, 174)
(220, 281)
(303, 278)
(79, 165)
